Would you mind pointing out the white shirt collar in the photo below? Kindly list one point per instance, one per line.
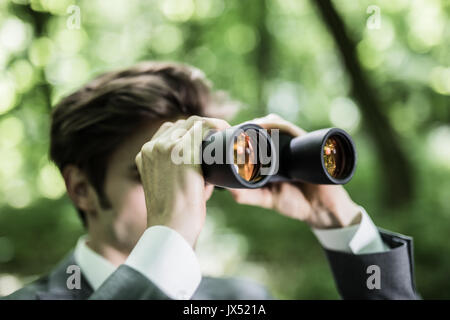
(95, 268)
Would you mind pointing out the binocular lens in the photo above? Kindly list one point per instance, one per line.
(245, 158)
(334, 157)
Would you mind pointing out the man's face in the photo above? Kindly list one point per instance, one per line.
(126, 220)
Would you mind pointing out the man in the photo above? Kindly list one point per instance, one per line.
(112, 141)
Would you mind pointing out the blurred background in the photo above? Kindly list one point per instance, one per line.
(379, 69)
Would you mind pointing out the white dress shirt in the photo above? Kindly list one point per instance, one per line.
(94, 266)
(167, 259)
(357, 239)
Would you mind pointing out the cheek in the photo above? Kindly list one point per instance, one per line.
(136, 199)
(132, 206)
(128, 202)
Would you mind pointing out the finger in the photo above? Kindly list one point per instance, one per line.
(210, 123)
(177, 131)
(163, 128)
(173, 132)
(254, 197)
(149, 145)
(283, 126)
(273, 121)
(191, 141)
(138, 161)
(186, 148)
(216, 123)
(297, 209)
(270, 116)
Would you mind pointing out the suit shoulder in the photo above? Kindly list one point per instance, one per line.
(29, 291)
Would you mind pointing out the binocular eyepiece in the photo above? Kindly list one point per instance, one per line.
(248, 156)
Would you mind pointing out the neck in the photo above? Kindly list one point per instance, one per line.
(107, 251)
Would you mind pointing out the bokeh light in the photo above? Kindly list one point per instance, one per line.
(344, 114)
(14, 34)
(166, 39)
(178, 10)
(50, 183)
(7, 94)
(241, 38)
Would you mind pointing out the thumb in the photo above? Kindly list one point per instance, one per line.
(255, 197)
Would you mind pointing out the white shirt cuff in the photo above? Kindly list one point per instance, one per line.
(167, 259)
(357, 239)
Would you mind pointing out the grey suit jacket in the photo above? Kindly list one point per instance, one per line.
(349, 271)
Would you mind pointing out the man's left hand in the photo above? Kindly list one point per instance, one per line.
(320, 206)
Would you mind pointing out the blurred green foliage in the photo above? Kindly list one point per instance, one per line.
(273, 56)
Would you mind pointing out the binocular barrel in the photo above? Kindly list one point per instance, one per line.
(248, 156)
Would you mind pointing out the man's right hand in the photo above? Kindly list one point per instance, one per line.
(176, 194)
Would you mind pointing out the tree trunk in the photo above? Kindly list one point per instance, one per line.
(396, 170)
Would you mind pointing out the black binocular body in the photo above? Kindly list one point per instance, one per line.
(248, 156)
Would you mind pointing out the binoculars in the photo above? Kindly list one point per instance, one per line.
(248, 156)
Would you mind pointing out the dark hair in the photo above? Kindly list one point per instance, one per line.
(88, 125)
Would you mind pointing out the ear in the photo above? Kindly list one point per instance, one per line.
(79, 188)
